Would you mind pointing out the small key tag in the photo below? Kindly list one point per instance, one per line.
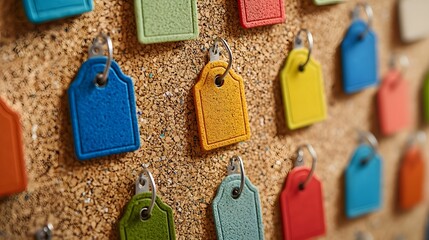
(426, 99)
(412, 16)
(393, 103)
(13, 176)
(359, 55)
(220, 105)
(103, 116)
(363, 182)
(236, 207)
(256, 13)
(302, 87)
(166, 20)
(326, 2)
(301, 201)
(411, 178)
(146, 216)
(39, 11)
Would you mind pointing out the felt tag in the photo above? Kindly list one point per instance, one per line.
(325, 2)
(411, 178)
(255, 13)
(39, 11)
(413, 18)
(13, 177)
(160, 224)
(426, 99)
(302, 210)
(237, 218)
(393, 103)
(166, 20)
(363, 182)
(359, 58)
(103, 118)
(303, 91)
(221, 111)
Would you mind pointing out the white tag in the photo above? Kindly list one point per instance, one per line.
(414, 17)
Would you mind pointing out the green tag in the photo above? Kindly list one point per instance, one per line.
(166, 20)
(426, 99)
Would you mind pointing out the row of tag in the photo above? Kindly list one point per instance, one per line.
(176, 20)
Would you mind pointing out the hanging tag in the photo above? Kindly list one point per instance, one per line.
(236, 207)
(359, 54)
(13, 176)
(426, 99)
(102, 107)
(411, 178)
(301, 201)
(412, 19)
(393, 103)
(256, 13)
(302, 86)
(166, 20)
(146, 216)
(220, 103)
(39, 11)
(326, 2)
(363, 175)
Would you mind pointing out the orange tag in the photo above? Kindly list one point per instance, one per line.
(13, 178)
(411, 178)
(221, 110)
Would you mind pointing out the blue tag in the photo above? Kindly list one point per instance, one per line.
(237, 218)
(363, 182)
(39, 11)
(104, 118)
(359, 58)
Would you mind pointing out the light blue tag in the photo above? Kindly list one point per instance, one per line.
(39, 11)
(359, 58)
(363, 182)
(237, 218)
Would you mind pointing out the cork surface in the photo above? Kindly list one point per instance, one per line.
(86, 199)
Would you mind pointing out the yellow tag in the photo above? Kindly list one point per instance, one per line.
(303, 91)
(221, 111)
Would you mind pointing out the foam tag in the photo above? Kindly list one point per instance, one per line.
(413, 15)
(160, 224)
(359, 58)
(303, 91)
(13, 176)
(39, 11)
(239, 218)
(103, 118)
(255, 13)
(393, 103)
(363, 182)
(166, 20)
(325, 2)
(221, 111)
(411, 178)
(302, 210)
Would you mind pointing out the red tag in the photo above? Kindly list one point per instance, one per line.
(255, 13)
(393, 103)
(302, 210)
(13, 178)
(411, 178)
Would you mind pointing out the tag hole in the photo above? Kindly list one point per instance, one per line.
(235, 193)
(232, 168)
(301, 187)
(144, 214)
(301, 68)
(142, 181)
(218, 81)
(99, 81)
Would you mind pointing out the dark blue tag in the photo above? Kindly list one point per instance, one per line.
(363, 182)
(103, 118)
(46, 10)
(359, 58)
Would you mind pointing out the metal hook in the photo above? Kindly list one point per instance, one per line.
(142, 185)
(214, 56)
(300, 162)
(369, 13)
(418, 137)
(96, 49)
(233, 169)
(45, 233)
(403, 61)
(367, 137)
(299, 43)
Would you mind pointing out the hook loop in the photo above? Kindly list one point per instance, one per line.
(235, 163)
(417, 138)
(367, 137)
(300, 162)
(369, 13)
(45, 233)
(299, 43)
(214, 55)
(400, 62)
(96, 49)
(142, 185)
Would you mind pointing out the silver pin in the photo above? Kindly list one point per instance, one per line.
(214, 52)
(235, 167)
(299, 43)
(45, 233)
(300, 162)
(142, 185)
(369, 13)
(96, 50)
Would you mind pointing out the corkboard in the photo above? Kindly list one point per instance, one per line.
(86, 199)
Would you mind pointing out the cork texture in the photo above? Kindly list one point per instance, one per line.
(86, 199)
